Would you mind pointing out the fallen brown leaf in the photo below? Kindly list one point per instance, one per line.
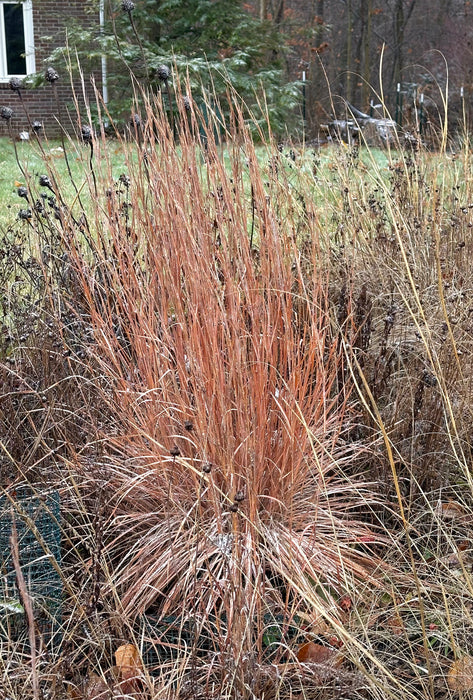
(127, 659)
(451, 510)
(312, 653)
(395, 624)
(460, 675)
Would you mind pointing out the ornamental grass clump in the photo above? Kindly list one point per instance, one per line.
(226, 435)
(247, 373)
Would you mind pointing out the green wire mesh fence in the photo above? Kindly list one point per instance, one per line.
(37, 520)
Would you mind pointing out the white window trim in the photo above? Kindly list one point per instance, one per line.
(29, 42)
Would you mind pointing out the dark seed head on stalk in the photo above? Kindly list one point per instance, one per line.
(175, 451)
(15, 84)
(135, 120)
(44, 181)
(86, 133)
(428, 378)
(207, 467)
(6, 113)
(189, 426)
(24, 214)
(233, 508)
(239, 497)
(37, 126)
(128, 6)
(22, 192)
(163, 73)
(51, 75)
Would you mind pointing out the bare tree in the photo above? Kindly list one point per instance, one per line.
(365, 42)
(349, 65)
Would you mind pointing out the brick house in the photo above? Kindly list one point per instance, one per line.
(29, 31)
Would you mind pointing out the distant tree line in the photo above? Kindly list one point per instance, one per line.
(364, 49)
(360, 52)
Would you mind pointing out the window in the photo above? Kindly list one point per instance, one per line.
(16, 39)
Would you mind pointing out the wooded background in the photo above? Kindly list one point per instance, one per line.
(340, 43)
(363, 52)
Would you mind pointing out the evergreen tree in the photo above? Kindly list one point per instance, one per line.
(216, 44)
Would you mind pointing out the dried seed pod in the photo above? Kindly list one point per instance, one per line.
(24, 214)
(428, 378)
(207, 467)
(51, 75)
(44, 181)
(175, 451)
(22, 192)
(128, 6)
(86, 133)
(135, 120)
(163, 72)
(6, 113)
(189, 426)
(37, 126)
(239, 497)
(15, 84)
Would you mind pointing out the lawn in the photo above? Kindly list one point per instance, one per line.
(244, 373)
(25, 161)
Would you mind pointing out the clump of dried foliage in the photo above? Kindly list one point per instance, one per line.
(248, 378)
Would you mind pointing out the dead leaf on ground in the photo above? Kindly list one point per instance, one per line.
(312, 653)
(127, 659)
(395, 624)
(460, 675)
(451, 510)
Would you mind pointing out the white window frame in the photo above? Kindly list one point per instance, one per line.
(29, 41)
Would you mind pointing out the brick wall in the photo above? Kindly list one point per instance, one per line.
(49, 22)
